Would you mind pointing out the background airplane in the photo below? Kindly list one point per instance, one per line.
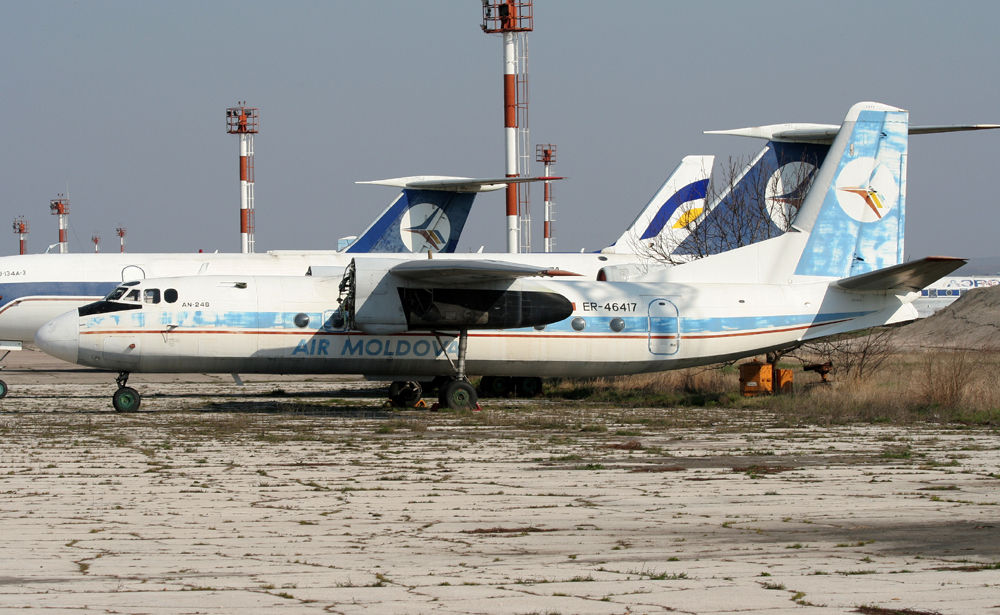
(837, 270)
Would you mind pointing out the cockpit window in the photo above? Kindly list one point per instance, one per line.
(151, 295)
(133, 295)
(116, 294)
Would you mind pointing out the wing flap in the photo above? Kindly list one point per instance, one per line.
(911, 276)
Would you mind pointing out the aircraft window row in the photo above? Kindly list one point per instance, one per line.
(943, 292)
(149, 295)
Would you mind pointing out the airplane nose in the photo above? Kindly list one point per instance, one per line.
(60, 337)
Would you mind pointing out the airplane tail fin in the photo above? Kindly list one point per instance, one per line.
(758, 201)
(667, 218)
(428, 215)
(855, 210)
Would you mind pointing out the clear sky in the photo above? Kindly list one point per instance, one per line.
(123, 105)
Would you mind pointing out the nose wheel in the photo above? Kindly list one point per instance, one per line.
(125, 399)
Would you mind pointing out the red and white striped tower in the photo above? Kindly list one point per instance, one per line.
(546, 154)
(21, 230)
(244, 121)
(120, 231)
(59, 206)
(97, 242)
(513, 19)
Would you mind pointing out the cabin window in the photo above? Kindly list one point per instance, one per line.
(151, 295)
(170, 295)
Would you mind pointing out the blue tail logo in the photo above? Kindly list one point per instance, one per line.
(430, 234)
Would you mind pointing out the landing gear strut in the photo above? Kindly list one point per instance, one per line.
(457, 393)
(125, 399)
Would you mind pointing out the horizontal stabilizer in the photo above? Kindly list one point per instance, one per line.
(453, 271)
(911, 276)
(445, 183)
(824, 133)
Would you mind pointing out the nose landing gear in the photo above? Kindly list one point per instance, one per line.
(125, 399)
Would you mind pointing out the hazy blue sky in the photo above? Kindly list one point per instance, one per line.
(122, 103)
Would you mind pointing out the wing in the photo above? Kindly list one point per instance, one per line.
(468, 271)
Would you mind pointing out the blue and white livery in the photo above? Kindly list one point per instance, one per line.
(835, 271)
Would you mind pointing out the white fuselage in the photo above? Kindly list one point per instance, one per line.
(282, 324)
(36, 288)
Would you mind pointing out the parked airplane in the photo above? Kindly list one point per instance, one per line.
(837, 270)
(428, 215)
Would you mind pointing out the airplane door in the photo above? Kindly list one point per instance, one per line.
(664, 326)
(132, 273)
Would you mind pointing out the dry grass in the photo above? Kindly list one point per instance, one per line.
(961, 386)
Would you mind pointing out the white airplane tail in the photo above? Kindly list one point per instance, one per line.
(855, 211)
(667, 218)
(851, 221)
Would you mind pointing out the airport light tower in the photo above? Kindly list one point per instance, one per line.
(21, 230)
(245, 121)
(514, 19)
(120, 231)
(59, 206)
(546, 154)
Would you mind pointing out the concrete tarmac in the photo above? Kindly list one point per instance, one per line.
(304, 495)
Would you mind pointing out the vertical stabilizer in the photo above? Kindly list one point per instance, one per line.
(418, 221)
(756, 202)
(855, 211)
(667, 218)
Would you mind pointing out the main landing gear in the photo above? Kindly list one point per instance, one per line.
(455, 391)
(125, 399)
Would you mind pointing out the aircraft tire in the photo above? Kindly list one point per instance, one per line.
(405, 393)
(3, 389)
(528, 387)
(495, 386)
(458, 395)
(126, 399)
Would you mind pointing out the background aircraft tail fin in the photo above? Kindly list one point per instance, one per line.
(429, 214)
(855, 210)
(668, 216)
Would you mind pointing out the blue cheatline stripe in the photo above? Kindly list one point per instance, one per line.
(12, 291)
(285, 322)
(690, 192)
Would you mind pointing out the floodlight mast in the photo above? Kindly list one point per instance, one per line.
(546, 154)
(59, 207)
(245, 122)
(21, 230)
(514, 19)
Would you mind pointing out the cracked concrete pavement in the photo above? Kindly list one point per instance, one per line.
(271, 498)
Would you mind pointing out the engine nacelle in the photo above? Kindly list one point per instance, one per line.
(381, 303)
